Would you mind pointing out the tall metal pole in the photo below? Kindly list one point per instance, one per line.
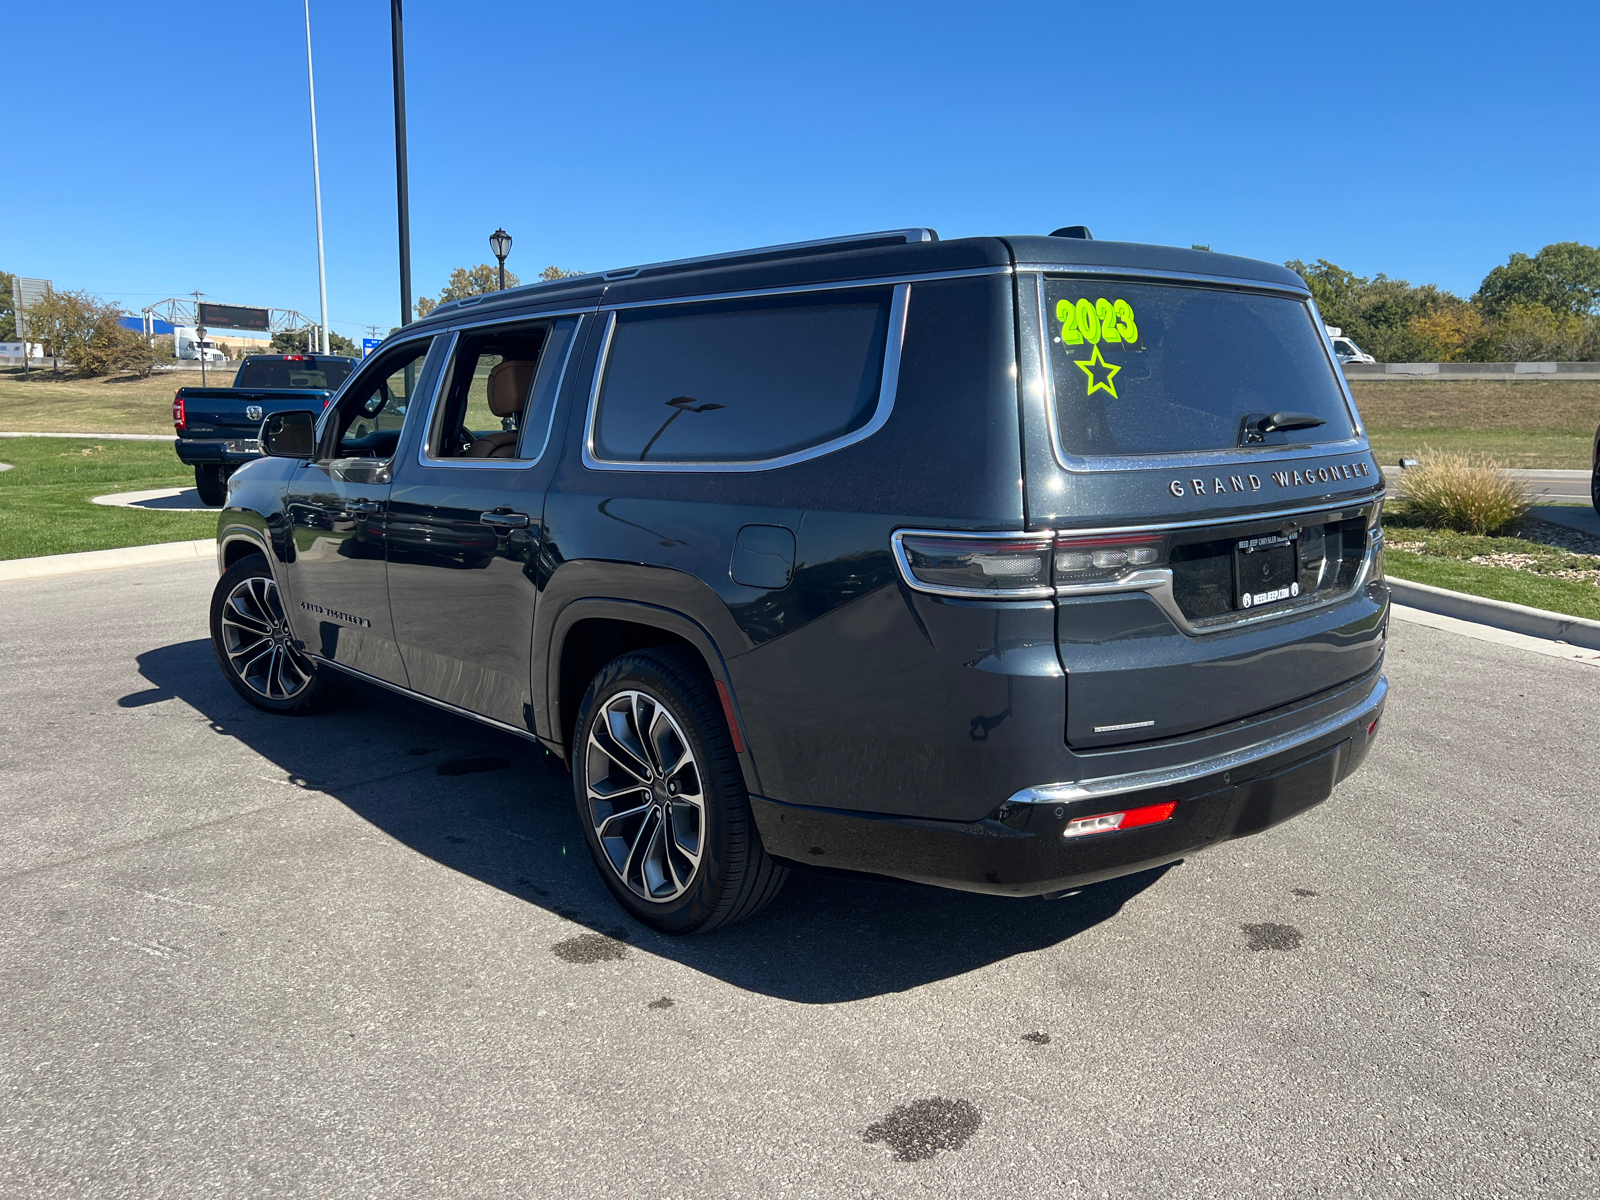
(402, 184)
(316, 182)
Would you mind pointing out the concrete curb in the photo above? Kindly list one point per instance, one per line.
(51, 565)
(110, 437)
(1501, 614)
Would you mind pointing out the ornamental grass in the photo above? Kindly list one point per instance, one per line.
(1468, 493)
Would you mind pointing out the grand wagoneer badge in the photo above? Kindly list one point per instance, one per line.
(1217, 485)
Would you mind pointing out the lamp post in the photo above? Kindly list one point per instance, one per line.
(500, 243)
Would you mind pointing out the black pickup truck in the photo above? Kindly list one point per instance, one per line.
(219, 428)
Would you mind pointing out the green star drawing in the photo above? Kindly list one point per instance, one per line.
(1095, 382)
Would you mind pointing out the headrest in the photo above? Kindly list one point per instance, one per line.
(508, 386)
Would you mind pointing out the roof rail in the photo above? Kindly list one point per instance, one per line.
(756, 253)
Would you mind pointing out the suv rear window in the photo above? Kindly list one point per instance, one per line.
(741, 381)
(1146, 368)
(326, 374)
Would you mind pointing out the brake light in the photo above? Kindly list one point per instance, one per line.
(179, 421)
(1150, 814)
(974, 564)
(1104, 556)
(296, 358)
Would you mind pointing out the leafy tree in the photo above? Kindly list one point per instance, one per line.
(8, 316)
(339, 344)
(478, 281)
(1452, 333)
(551, 273)
(88, 332)
(1563, 277)
(301, 341)
(1378, 312)
(1535, 333)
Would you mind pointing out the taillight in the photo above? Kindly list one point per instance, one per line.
(1150, 814)
(1098, 557)
(975, 564)
(178, 419)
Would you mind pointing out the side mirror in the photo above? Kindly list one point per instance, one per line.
(290, 435)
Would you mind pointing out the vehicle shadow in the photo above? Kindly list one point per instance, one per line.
(498, 809)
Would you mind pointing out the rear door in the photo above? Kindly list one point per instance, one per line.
(1214, 497)
(467, 515)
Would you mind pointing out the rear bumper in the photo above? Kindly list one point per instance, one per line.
(1020, 850)
(198, 452)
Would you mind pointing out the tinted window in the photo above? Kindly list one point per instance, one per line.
(1150, 368)
(741, 381)
(324, 373)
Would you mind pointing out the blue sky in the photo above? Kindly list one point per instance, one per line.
(168, 148)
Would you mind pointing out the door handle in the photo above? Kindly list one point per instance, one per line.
(505, 520)
(363, 506)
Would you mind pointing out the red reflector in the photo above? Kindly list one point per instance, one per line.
(1373, 728)
(1150, 814)
(733, 721)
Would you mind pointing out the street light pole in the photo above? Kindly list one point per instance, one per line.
(316, 182)
(402, 186)
(500, 244)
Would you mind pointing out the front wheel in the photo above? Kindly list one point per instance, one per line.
(662, 800)
(211, 481)
(254, 645)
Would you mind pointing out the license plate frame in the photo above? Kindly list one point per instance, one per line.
(1266, 571)
(243, 445)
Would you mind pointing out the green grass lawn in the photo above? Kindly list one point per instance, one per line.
(44, 498)
(45, 403)
(1443, 561)
(1569, 596)
(1523, 423)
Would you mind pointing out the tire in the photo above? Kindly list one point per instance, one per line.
(710, 868)
(211, 481)
(251, 638)
(1594, 489)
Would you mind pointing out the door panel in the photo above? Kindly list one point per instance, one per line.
(467, 516)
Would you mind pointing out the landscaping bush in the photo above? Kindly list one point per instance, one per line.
(1456, 491)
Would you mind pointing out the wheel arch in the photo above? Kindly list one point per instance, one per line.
(238, 542)
(590, 632)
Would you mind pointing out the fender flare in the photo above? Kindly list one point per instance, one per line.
(638, 612)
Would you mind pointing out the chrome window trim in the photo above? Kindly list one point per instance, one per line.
(1136, 273)
(424, 459)
(1108, 786)
(1184, 459)
(1043, 537)
(797, 288)
(888, 384)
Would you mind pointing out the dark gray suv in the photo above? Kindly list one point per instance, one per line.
(1004, 564)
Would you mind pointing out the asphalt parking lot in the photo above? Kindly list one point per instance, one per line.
(365, 954)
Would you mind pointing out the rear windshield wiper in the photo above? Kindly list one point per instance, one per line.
(1254, 428)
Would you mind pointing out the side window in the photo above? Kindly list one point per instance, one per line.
(741, 381)
(372, 410)
(501, 392)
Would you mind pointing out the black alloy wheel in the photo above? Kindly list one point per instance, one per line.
(211, 481)
(662, 800)
(254, 645)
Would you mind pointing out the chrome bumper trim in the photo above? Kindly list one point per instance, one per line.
(1138, 781)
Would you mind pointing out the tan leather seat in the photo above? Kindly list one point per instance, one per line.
(508, 393)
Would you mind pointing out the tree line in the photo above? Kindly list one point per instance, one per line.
(480, 281)
(1543, 307)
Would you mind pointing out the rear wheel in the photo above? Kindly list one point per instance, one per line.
(1594, 489)
(211, 481)
(662, 800)
(254, 645)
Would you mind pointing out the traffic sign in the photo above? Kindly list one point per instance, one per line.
(368, 345)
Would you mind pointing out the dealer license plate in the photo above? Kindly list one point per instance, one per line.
(1265, 571)
(245, 446)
